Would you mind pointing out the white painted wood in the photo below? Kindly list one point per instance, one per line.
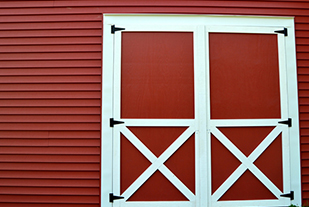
(157, 163)
(107, 112)
(157, 28)
(159, 122)
(243, 122)
(228, 183)
(264, 203)
(247, 163)
(282, 75)
(117, 75)
(160, 204)
(247, 29)
(177, 183)
(265, 143)
(201, 147)
(258, 122)
(294, 140)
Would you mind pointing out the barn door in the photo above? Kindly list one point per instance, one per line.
(155, 121)
(199, 115)
(248, 117)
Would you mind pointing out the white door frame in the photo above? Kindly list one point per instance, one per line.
(202, 23)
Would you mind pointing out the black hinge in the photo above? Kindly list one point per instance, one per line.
(289, 195)
(112, 197)
(113, 122)
(284, 31)
(115, 29)
(287, 122)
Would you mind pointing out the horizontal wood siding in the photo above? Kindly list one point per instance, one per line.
(50, 106)
(50, 91)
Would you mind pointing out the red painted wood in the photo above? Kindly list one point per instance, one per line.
(242, 191)
(50, 126)
(166, 88)
(51, 18)
(51, 33)
(157, 187)
(50, 25)
(51, 102)
(49, 199)
(269, 162)
(157, 140)
(182, 163)
(49, 183)
(50, 87)
(51, 99)
(50, 110)
(48, 40)
(50, 63)
(51, 79)
(49, 191)
(132, 164)
(49, 95)
(51, 134)
(51, 48)
(51, 118)
(51, 71)
(53, 56)
(49, 175)
(49, 158)
(15, 204)
(48, 167)
(78, 14)
(235, 91)
(50, 142)
(223, 163)
(76, 150)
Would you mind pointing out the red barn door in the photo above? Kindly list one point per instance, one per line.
(248, 102)
(154, 95)
(200, 116)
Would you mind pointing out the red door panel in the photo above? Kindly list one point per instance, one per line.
(244, 76)
(157, 79)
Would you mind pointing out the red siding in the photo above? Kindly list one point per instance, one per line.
(50, 91)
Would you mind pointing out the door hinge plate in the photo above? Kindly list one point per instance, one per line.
(284, 31)
(115, 29)
(287, 122)
(113, 122)
(112, 197)
(289, 195)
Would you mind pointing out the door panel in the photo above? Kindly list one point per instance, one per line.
(194, 134)
(247, 101)
(157, 78)
(154, 95)
(244, 76)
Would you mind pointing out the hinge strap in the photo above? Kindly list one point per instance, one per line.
(289, 195)
(113, 122)
(287, 122)
(112, 197)
(115, 29)
(284, 31)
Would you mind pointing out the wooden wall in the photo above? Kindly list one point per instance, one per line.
(50, 91)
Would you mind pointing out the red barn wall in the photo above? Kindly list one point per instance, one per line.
(50, 91)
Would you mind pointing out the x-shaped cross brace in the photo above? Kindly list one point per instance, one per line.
(247, 162)
(157, 163)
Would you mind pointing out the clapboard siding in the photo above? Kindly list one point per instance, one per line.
(50, 91)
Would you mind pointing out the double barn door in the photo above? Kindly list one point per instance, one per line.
(200, 116)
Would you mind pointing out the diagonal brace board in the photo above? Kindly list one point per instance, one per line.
(158, 163)
(247, 162)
